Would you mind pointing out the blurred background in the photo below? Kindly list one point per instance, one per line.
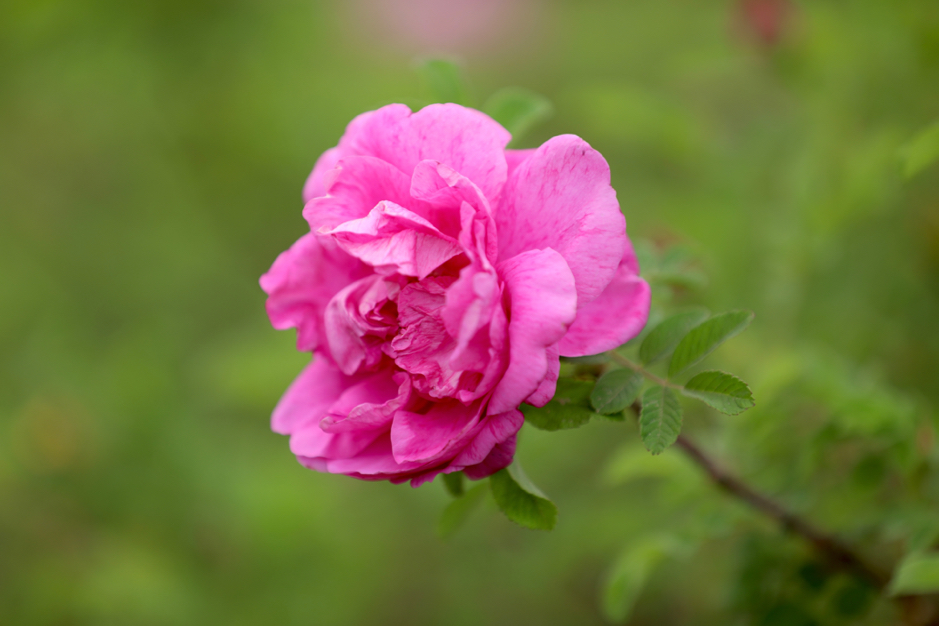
(152, 155)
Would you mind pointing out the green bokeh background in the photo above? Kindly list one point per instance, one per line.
(151, 161)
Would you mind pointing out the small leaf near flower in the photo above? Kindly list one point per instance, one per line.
(615, 391)
(444, 80)
(518, 110)
(454, 483)
(660, 419)
(520, 500)
(662, 340)
(457, 512)
(570, 407)
(705, 338)
(724, 392)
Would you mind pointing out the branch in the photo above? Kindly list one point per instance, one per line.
(838, 554)
(834, 551)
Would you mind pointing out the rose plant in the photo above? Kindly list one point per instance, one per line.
(442, 278)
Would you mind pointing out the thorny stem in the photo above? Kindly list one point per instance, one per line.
(834, 551)
(837, 553)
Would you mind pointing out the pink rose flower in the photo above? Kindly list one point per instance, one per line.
(442, 278)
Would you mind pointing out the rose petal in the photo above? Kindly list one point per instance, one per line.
(369, 404)
(470, 304)
(549, 384)
(443, 191)
(393, 239)
(614, 318)
(464, 139)
(560, 198)
(354, 329)
(302, 281)
(514, 158)
(314, 186)
(422, 437)
(543, 303)
(355, 186)
(493, 430)
(308, 396)
(317, 449)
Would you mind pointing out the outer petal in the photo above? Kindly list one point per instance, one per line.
(417, 437)
(615, 317)
(498, 458)
(543, 304)
(356, 185)
(301, 283)
(310, 395)
(392, 239)
(361, 137)
(369, 404)
(314, 186)
(316, 448)
(374, 462)
(514, 158)
(466, 140)
(549, 385)
(560, 198)
(494, 430)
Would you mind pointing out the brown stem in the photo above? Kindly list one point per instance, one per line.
(914, 610)
(834, 551)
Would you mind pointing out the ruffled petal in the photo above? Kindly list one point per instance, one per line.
(422, 437)
(355, 326)
(561, 198)
(543, 303)
(393, 239)
(441, 192)
(314, 186)
(614, 318)
(317, 449)
(514, 158)
(369, 404)
(470, 142)
(355, 186)
(302, 281)
(494, 430)
(309, 396)
(549, 384)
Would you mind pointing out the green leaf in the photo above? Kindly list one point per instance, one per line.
(918, 573)
(922, 151)
(444, 80)
(615, 391)
(570, 407)
(726, 393)
(454, 483)
(664, 337)
(705, 338)
(660, 420)
(457, 512)
(518, 110)
(628, 575)
(521, 501)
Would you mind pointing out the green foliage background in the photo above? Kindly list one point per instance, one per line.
(151, 160)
